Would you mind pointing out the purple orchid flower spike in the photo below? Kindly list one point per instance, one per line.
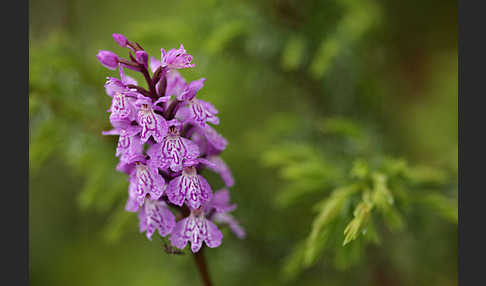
(152, 124)
(196, 229)
(176, 58)
(190, 187)
(165, 140)
(154, 215)
(173, 151)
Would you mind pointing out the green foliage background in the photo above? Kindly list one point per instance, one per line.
(342, 122)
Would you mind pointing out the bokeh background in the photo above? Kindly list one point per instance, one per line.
(313, 96)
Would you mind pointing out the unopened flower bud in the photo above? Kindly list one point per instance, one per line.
(108, 59)
(120, 40)
(142, 57)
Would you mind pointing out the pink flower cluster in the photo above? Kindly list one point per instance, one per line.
(164, 141)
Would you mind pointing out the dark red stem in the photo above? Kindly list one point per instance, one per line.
(170, 112)
(201, 265)
(150, 83)
(140, 89)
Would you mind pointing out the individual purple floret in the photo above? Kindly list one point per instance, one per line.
(225, 218)
(142, 58)
(122, 108)
(220, 203)
(152, 124)
(196, 111)
(196, 229)
(154, 215)
(173, 151)
(220, 167)
(209, 141)
(189, 91)
(190, 187)
(114, 85)
(221, 207)
(146, 180)
(128, 142)
(176, 58)
(164, 141)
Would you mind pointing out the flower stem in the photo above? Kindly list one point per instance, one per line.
(150, 83)
(201, 265)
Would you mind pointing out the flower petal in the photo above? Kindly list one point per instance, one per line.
(154, 64)
(214, 235)
(147, 180)
(177, 237)
(232, 224)
(220, 167)
(152, 124)
(196, 229)
(221, 202)
(189, 186)
(156, 216)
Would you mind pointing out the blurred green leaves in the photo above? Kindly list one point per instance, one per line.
(65, 121)
(328, 209)
(293, 53)
(302, 166)
(357, 19)
(361, 215)
(223, 34)
(369, 198)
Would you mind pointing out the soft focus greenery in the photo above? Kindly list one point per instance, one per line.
(342, 122)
